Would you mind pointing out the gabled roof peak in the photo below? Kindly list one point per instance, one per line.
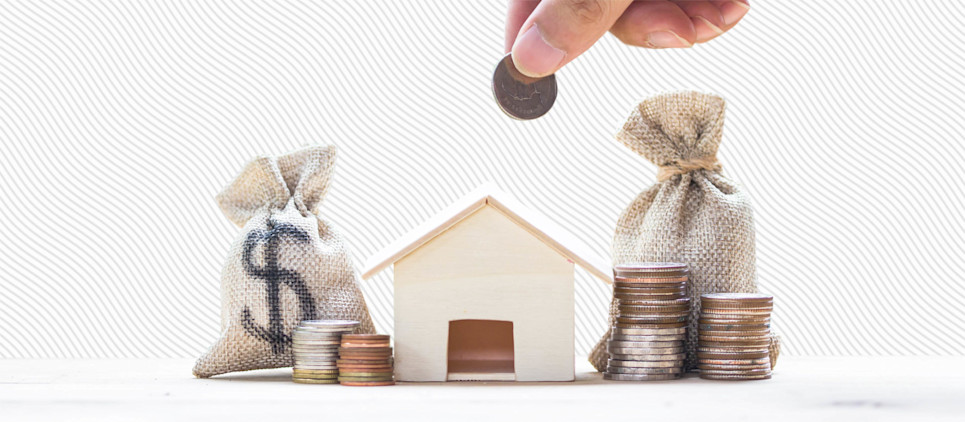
(489, 195)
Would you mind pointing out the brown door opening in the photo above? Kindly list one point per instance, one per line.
(481, 350)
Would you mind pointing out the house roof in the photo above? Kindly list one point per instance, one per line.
(535, 223)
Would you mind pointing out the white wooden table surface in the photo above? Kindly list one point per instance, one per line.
(813, 389)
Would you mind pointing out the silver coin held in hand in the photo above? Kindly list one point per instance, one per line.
(520, 96)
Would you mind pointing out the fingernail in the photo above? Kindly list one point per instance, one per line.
(667, 39)
(534, 57)
(733, 11)
(710, 25)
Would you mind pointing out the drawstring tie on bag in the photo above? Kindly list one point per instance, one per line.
(686, 166)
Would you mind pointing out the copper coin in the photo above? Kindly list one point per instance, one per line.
(520, 96)
(367, 350)
(673, 285)
(348, 345)
(364, 362)
(635, 267)
(366, 337)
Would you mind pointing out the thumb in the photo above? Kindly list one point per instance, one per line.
(560, 30)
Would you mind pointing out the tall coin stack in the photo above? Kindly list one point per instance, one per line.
(734, 335)
(315, 349)
(647, 341)
(365, 360)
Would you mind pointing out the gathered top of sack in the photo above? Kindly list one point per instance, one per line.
(301, 177)
(679, 132)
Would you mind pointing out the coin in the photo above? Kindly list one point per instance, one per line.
(621, 337)
(734, 361)
(732, 327)
(736, 371)
(735, 312)
(314, 372)
(735, 377)
(713, 336)
(653, 331)
(675, 278)
(367, 383)
(314, 381)
(623, 325)
(648, 358)
(730, 367)
(640, 377)
(648, 319)
(628, 370)
(743, 344)
(366, 373)
(520, 96)
(684, 301)
(647, 351)
(643, 344)
(732, 355)
(731, 349)
(644, 364)
(674, 310)
(648, 267)
(736, 297)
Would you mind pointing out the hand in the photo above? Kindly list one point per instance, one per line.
(546, 35)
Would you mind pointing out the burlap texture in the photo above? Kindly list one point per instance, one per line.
(693, 214)
(287, 265)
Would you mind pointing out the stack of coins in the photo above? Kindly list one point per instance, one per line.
(315, 349)
(734, 336)
(647, 341)
(365, 360)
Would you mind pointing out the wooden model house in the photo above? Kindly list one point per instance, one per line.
(485, 291)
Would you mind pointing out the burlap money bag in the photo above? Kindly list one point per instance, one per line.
(693, 214)
(287, 265)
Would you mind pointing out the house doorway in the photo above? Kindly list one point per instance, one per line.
(481, 350)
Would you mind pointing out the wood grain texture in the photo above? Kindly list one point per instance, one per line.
(532, 221)
(485, 267)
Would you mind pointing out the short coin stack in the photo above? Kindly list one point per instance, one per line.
(315, 349)
(647, 341)
(734, 335)
(365, 360)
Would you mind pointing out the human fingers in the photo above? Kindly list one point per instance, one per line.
(558, 31)
(706, 18)
(519, 11)
(655, 24)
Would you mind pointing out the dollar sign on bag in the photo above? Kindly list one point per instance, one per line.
(274, 277)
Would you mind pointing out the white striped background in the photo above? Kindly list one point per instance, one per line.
(120, 121)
